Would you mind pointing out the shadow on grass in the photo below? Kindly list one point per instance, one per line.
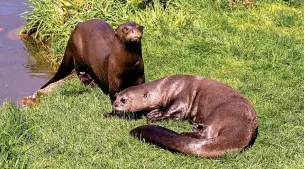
(71, 91)
(127, 115)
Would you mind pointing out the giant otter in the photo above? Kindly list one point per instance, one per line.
(110, 59)
(223, 119)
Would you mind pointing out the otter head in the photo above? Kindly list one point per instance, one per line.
(130, 32)
(134, 99)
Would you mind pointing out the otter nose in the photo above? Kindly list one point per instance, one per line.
(136, 33)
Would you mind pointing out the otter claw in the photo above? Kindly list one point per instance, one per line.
(148, 122)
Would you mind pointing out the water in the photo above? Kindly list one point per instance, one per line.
(20, 73)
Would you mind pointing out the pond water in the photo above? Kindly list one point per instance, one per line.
(20, 73)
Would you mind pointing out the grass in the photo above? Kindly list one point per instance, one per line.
(257, 50)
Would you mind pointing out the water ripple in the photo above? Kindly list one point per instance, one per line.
(6, 9)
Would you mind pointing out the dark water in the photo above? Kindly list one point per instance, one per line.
(20, 73)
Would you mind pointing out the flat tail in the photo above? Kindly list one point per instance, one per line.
(62, 72)
(66, 67)
(175, 142)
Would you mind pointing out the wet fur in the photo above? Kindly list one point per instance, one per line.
(223, 119)
(100, 57)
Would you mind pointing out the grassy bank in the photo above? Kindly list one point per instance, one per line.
(257, 50)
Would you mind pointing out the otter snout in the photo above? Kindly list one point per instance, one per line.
(118, 105)
(134, 35)
(115, 105)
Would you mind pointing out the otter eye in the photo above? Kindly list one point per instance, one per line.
(123, 100)
(145, 95)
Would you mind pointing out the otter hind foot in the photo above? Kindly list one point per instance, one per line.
(86, 79)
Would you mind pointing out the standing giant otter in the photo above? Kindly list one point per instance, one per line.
(223, 119)
(111, 59)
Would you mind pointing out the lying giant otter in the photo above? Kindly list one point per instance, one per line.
(223, 119)
(111, 59)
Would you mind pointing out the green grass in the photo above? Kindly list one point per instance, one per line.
(257, 50)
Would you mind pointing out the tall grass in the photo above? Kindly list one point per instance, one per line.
(16, 136)
(256, 49)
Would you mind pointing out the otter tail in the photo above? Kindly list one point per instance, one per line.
(175, 142)
(66, 67)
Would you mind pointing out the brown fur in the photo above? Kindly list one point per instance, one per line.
(110, 59)
(223, 119)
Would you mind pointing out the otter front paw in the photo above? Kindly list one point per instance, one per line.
(154, 115)
(109, 115)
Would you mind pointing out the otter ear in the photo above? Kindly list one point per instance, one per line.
(141, 28)
(115, 95)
